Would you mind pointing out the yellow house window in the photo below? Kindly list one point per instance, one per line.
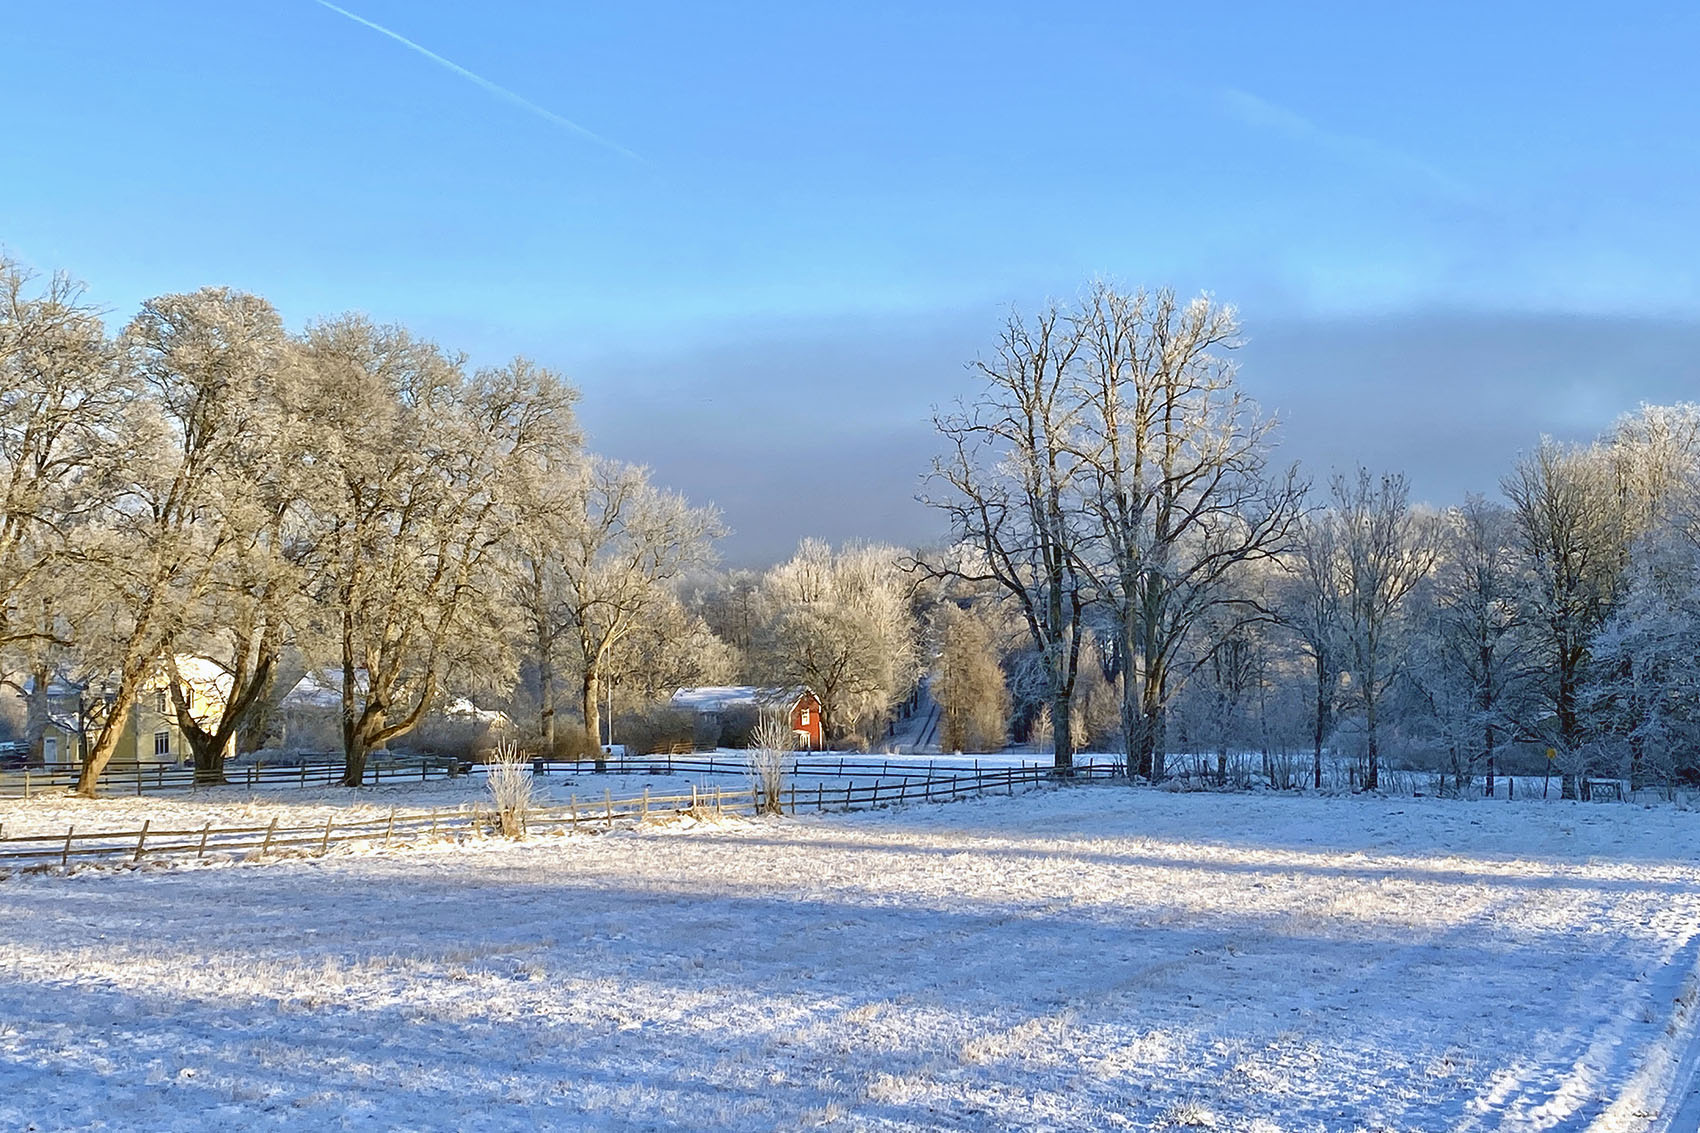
(162, 743)
(805, 717)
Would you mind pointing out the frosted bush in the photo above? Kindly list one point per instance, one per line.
(770, 760)
(509, 784)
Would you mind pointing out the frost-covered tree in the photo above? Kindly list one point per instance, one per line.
(671, 648)
(420, 468)
(968, 684)
(1178, 487)
(1642, 693)
(62, 396)
(840, 622)
(1011, 486)
(1638, 692)
(1473, 648)
(1570, 528)
(610, 549)
(1385, 550)
(1308, 605)
(205, 363)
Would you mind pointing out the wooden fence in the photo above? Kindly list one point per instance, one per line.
(327, 772)
(471, 821)
(157, 778)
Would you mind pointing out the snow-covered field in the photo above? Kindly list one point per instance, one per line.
(1090, 958)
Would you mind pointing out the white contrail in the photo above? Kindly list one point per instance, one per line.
(499, 91)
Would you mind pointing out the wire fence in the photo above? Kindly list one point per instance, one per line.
(414, 826)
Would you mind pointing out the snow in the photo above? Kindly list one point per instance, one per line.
(1090, 958)
(720, 698)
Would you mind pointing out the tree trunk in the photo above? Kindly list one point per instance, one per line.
(353, 738)
(1062, 733)
(106, 744)
(209, 759)
(1151, 723)
(1133, 747)
(592, 714)
(545, 660)
(1485, 703)
(38, 716)
(1569, 663)
(1372, 773)
(354, 749)
(1321, 730)
(546, 692)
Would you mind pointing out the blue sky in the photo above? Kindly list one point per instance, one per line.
(832, 205)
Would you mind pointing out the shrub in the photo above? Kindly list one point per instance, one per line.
(509, 783)
(738, 726)
(659, 728)
(770, 761)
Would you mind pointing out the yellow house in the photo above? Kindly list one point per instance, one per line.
(152, 735)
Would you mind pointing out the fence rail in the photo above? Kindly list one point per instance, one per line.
(157, 778)
(472, 821)
(326, 772)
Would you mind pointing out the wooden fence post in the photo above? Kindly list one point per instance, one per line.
(202, 850)
(573, 802)
(141, 839)
(65, 858)
(643, 816)
(325, 842)
(608, 805)
(390, 829)
(266, 847)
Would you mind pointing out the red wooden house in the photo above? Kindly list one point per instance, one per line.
(798, 703)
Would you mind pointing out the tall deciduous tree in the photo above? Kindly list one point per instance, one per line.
(969, 686)
(1310, 608)
(1477, 636)
(204, 361)
(1011, 485)
(62, 392)
(1571, 534)
(1178, 486)
(840, 623)
(1385, 551)
(615, 544)
(421, 468)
